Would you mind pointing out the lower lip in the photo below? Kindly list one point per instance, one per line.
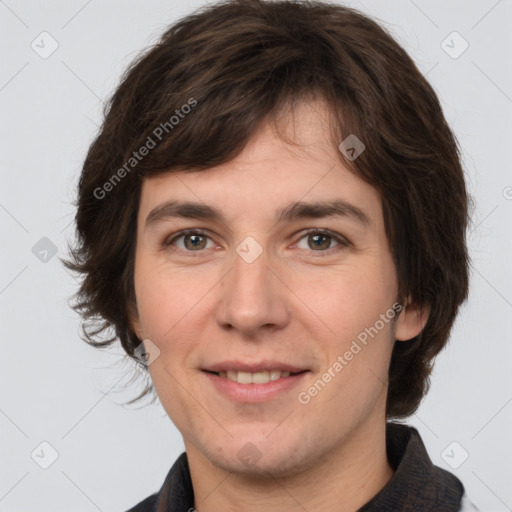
(254, 393)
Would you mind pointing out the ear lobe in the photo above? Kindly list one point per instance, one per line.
(411, 321)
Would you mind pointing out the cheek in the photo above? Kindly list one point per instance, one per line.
(348, 300)
(166, 300)
(357, 309)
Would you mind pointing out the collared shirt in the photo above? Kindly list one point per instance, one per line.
(416, 485)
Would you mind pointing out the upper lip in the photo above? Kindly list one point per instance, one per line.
(255, 367)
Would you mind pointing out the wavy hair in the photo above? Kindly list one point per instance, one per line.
(241, 62)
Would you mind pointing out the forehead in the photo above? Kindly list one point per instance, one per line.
(293, 161)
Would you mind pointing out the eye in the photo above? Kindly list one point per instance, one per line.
(320, 240)
(317, 240)
(190, 241)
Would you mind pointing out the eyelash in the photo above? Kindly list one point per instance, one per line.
(342, 241)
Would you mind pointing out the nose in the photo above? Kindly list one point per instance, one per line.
(254, 298)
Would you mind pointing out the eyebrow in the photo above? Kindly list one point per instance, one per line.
(293, 211)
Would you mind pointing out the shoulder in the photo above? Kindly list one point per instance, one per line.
(176, 492)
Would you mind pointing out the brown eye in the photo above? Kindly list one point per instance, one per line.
(194, 242)
(189, 241)
(323, 241)
(319, 241)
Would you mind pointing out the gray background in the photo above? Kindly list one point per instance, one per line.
(56, 389)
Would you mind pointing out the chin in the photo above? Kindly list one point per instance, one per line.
(260, 457)
(273, 466)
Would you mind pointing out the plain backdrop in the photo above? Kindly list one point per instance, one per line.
(60, 60)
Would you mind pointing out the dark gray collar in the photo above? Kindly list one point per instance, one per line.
(416, 486)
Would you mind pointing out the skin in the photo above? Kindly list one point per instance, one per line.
(295, 303)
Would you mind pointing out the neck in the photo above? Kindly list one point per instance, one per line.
(342, 481)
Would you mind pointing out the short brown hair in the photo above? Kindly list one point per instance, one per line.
(240, 62)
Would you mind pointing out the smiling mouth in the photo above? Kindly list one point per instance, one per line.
(254, 378)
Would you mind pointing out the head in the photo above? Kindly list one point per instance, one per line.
(241, 108)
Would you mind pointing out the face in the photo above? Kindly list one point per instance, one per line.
(271, 301)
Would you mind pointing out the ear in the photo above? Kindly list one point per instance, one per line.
(411, 320)
(134, 321)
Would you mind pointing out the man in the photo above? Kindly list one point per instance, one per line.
(275, 212)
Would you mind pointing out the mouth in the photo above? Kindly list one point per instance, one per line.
(254, 383)
(260, 377)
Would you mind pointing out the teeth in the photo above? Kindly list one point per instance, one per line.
(275, 374)
(253, 378)
(244, 378)
(258, 378)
